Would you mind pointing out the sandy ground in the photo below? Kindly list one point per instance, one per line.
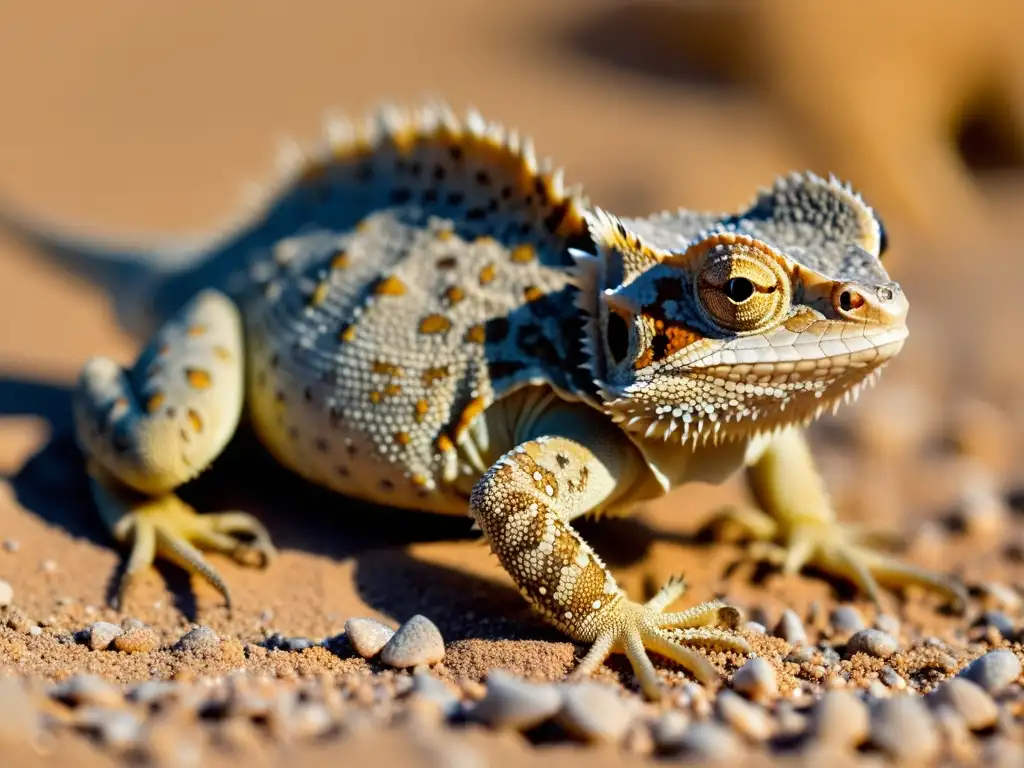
(132, 117)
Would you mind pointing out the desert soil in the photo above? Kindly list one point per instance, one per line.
(129, 118)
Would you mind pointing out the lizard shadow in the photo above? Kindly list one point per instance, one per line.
(53, 485)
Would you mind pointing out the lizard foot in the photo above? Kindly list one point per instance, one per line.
(840, 550)
(633, 628)
(168, 527)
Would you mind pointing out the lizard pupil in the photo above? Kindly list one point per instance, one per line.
(739, 289)
(618, 337)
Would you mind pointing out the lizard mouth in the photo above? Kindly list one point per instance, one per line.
(739, 391)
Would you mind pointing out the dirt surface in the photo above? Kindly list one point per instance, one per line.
(131, 117)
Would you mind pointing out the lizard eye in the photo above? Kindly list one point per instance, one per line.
(742, 290)
(739, 289)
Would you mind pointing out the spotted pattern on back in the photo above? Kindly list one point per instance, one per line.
(376, 349)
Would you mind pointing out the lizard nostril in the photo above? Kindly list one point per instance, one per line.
(849, 300)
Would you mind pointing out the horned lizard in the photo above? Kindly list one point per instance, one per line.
(420, 314)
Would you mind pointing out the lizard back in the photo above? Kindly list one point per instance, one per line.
(431, 280)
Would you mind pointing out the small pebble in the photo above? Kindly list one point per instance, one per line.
(711, 742)
(99, 635)
(840, 719)
(801, 654)
(368, 636)
(830, 656)
(516, 704)
(309, 720)
(846, 619)
(903, 727)
(118, 729)
(755, 628)
(888, 624)
(669, 731)
(790, 628)
(418, 641)
(1000, 622)
(153, 691)
(48, 566)
(1000, 597)
(197, 639)
(970, 701)
(756, 680)
(994, 671)
(137, 640)
(87, 690)
(891, 678)
(6, 594)
(434, 690)
(744, 717)
(873, 642)
(593, 712)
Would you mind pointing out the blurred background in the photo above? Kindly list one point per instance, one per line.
(135, 117)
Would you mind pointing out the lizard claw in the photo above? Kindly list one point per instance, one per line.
(634, 628)
(167, 527)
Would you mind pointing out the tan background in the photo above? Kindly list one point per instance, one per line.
(135, 117)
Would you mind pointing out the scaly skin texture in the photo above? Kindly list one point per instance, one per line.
(421, 315)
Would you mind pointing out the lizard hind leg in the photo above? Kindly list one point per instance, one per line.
(150, 429)
(524, 505)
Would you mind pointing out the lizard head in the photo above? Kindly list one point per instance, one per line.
(725, 326)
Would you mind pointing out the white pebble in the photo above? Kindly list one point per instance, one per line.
(593, 712)
(840, 719)
(418, 641)
(368, 636)
(516, 704)
(99, 635)
(994, 671)
(745, 717)
(756, 680)
(6, 593)
(903, 728)
(873, 642)
(790, 628)
(968, 700)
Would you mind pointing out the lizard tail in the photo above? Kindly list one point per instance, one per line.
(128, 270)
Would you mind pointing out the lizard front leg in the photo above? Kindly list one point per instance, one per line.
(150, 429)
(524, 505)
(799, 527)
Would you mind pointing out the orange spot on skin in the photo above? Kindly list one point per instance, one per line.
(319, 294)
(523, 254)
(388, 369)
(196, 330)
(340, 260)
(195, 420)
(476, 334)
(402, 438)
(420, 481)
(444, 444)
(484, 240)
(487, 274)
(392, 389)
(222, 353)
(198, 378)
(444, 234)
(422, 406)
(348, 333)
(435, 324)
(455, 294)
(532, 293)
(435, 374)
(390, 286)
(155, 401)
(362, 226)
(475, 408)
(375, 397)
